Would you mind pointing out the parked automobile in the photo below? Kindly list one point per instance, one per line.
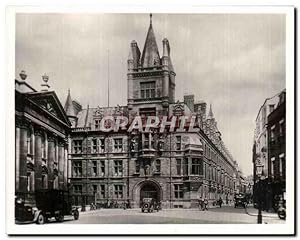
(24, 212)
(150, 204)
(240, 200)
(49, 203)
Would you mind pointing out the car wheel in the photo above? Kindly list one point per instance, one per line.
(142, 210)
(76, 214)
(59, 218)
(40, 219)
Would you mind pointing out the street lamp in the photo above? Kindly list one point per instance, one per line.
(259, 170)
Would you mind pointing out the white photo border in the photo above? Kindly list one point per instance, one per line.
(151, 229)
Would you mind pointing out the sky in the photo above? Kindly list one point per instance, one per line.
(232, 61)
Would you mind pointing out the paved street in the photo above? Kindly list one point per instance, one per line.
(224, 215)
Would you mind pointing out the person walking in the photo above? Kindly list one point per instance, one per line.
(205, 204)
(220, 202)
(201, 204)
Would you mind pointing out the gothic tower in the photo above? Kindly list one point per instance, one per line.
(151, 78)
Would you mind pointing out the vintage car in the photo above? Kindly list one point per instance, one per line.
(24, 212)
(149, 204)
(240, 200)
(49, 203)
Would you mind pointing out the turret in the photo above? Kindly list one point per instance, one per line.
(210, 113)
(165, 57)
(130, 61)
(70, 111)
(136, 54)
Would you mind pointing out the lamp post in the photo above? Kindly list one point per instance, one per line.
(259, 169)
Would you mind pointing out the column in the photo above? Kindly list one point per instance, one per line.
(61, 161)
(45, 185)
(150, 140)
(65, 177)
(50, 164)
(23, 158)
(17, 157)
(38, 158)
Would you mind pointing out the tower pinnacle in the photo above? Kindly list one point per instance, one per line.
(210, 114)
(150, 18)
(69, 108)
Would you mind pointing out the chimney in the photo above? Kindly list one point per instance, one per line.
(189, 101)
(45, 86)
(23, 75)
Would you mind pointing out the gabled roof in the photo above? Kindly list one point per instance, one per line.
(50, 103)
(87, 116)
(150, 56)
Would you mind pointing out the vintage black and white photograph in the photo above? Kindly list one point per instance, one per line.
(172, 120)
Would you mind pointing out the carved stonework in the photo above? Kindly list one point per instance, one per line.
(38, 131)
(51, 138)
(48, 106)
(99, 112)
(147, 170)
(178, 109)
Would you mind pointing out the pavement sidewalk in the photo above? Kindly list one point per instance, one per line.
(254, 212)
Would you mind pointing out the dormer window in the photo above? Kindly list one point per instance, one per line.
(97, 123)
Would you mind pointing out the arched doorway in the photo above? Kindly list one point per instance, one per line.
(147, 189)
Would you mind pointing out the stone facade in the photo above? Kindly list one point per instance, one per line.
(277, 151)
(41, 129)
(177, 168)
(269, 150)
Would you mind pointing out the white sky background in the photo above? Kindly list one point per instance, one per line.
(234, 61)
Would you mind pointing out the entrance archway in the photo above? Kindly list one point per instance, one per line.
(147, 189)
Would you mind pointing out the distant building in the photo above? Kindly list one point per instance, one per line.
(41, 128)
(263, 150)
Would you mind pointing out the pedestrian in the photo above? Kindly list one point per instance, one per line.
(220, 202)
(128, 204)
(205, 204)
(201, 204)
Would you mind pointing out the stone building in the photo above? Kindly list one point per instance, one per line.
(277, 146)
(269, 147)
(176, 168)
(41, 129)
